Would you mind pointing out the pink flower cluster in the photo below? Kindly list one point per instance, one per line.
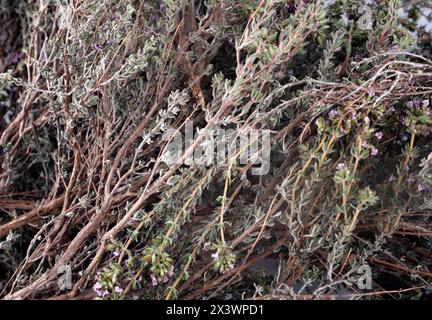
(374, 152)
(340, 165)
(334, 113)
(379, 135)
(417, 103)
(162, 279)
(97, 287)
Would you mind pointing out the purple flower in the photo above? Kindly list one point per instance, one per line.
(410, 180)
(333, 113)
(410, 104)
(118, 289)
(97, 288)
(116, 254)
(367, 120)
(391, 178)
(365, 144)
(353, 114)
(374, 152)
(340, 165)
(215, 256)
(171, 271)
(425, 103)
(16, 58)
(206, 246)
(421, 187)
(416, 103)
(153, 280)
(379, 135)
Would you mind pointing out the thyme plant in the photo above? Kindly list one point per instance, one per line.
(93, 93)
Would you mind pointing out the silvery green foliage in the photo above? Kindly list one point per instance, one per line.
(103, 87)
(6, 79)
